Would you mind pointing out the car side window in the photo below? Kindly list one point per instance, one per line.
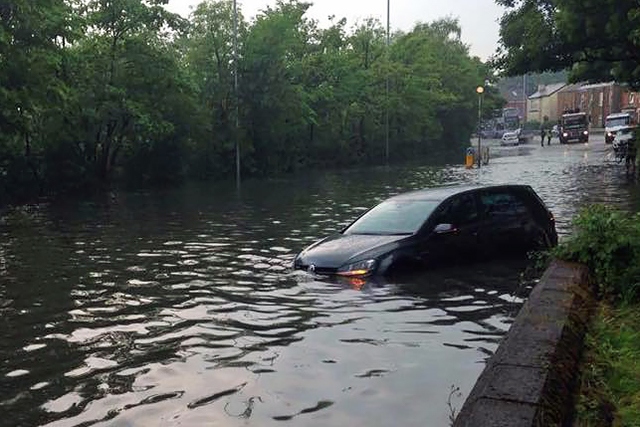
(501, 204)
(459, 211)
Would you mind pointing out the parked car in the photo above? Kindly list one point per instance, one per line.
(510, 138)
(617, 122)
(621, 140)
(434, 226)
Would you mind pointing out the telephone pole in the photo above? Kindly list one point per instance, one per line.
(387, 84)
(235, 89)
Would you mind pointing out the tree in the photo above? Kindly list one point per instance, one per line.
(124, 91)
(597, 40)
(208, 51)
(435, 107)
(32, 37)
(273, 94)
(125, 71)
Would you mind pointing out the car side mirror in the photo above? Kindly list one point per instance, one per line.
(444, 229)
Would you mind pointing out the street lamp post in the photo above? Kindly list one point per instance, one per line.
(387, 85)
(235, 88)
(480, 91)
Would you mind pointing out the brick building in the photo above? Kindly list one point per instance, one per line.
(597, 100)
(630, 101)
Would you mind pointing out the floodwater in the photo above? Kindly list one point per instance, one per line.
(178, 308)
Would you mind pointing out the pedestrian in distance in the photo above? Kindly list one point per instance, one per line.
(630, 158)
(542, 134)
(548, 136)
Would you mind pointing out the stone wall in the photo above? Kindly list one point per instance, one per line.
(531, 379)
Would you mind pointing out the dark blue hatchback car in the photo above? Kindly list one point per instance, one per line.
(434, 226)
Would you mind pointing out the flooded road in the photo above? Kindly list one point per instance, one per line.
(178, 308)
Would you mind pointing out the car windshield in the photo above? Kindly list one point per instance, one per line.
(394, 217)
(617, 121)
(575, 122)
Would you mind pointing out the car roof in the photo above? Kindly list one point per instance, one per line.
(444, 192)
(616, 115)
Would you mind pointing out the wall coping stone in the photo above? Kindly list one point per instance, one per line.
(531, 378)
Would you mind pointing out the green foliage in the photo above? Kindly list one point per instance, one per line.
(532, 125)
(609, 381)
(608, 242)
(596, 40)
(122, 91)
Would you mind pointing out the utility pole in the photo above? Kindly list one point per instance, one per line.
(387, 84)
(235, 89)
(524, 99)
(480, 91)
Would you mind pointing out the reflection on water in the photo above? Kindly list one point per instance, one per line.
(179, 307)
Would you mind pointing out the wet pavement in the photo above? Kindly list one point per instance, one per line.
(178, 307)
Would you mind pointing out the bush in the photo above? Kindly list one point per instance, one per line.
(608, 242)
(532, 125)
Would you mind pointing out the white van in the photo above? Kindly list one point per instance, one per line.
(616, 122)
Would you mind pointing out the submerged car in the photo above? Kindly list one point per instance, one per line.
(434, 226)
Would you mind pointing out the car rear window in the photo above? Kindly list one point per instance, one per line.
(497, 204)
(394, 217)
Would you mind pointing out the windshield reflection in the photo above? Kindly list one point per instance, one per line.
(394, 217)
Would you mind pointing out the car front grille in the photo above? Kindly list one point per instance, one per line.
(317, 270)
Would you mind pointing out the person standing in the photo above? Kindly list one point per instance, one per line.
(630, 157)
(542, 134)
(548, 134)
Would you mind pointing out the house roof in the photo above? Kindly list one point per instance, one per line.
(547, 90)
(574, 87)
(512, 94)
(579, 87)
(597, 85)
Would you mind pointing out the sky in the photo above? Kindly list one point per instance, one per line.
(478, 18)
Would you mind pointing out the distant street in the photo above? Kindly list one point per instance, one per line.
(566, 176)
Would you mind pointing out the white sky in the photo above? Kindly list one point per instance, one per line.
(478, 18)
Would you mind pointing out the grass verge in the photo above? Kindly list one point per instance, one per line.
(608, 242)
(609, 393)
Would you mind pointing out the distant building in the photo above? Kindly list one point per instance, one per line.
(569, 98)
(516, 100)
(544, 103)
(597, 100)
(630, 101)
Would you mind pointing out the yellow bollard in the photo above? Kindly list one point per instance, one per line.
(469, 160)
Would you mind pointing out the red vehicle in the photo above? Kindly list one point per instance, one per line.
(574, 127)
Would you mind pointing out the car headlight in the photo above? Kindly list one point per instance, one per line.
(586, 132)
(361, 268)
(565, 134)
(610, 134)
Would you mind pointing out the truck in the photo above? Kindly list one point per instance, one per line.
(617, 122)
(574, 127)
